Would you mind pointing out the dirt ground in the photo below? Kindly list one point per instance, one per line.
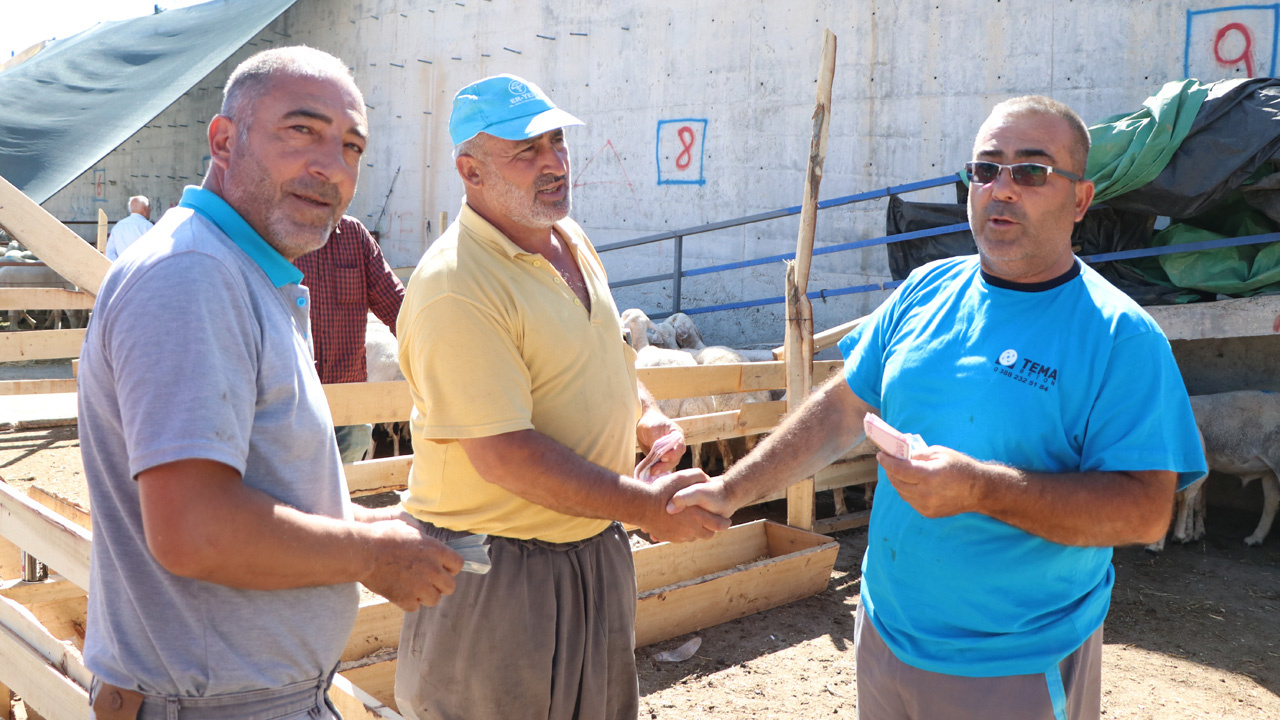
(1192, 633)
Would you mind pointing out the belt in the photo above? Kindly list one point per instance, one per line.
(110, 702)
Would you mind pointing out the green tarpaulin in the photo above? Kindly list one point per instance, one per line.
(1130, 150)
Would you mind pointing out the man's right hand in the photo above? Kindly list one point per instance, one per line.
(711, 496)
(695, 524)
(411, 568)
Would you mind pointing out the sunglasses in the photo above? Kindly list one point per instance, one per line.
(1025, 174)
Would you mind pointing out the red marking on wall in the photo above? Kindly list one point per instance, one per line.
(685, 157)
(1246, 53)
(577, 180)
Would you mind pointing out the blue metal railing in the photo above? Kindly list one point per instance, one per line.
(678, 272)
(678, 236)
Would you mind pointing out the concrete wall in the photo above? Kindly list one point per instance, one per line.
(913, 81)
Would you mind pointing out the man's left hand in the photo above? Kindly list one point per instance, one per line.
(937, 481)
(653, 425)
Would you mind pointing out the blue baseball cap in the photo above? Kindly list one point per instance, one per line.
(507, 107)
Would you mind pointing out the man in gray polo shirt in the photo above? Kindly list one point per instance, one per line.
(226, 553)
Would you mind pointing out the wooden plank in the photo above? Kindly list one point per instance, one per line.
(752, 419)
(64, 619)
(55, 540)
(670, 563)
(352, 403)
(353, 703)
(6, 702)
(45, 299)
(60, 248)
(10, 559)
(102, 230)
(785, 540)
(54, 589)
(848, 521)
(66, 508)
(827, 338)
(61, 655)
(37, 387)
(840, 474)
(41, 345)
(681, 382)
(377, 628)
(378, 680)
(674, 610)
(824, 369)
(377, 476)
(1238, 317)
(42, 686)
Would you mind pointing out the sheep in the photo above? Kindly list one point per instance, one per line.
(1188, 516)
(1241, 435)
(688, 337)
(642, 329)
(382, 356)
(37, 276)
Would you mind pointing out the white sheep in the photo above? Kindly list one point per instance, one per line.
(1241, 434)
(689, 338)
(382, 356)
(34, 275)
(642, 329)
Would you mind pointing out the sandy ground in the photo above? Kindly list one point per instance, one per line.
(1192, 633)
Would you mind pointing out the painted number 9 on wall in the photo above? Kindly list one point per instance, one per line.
(1232, 42)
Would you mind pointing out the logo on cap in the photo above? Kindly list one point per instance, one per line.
(516, 87)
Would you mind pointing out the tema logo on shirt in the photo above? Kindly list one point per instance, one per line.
(1026, 371)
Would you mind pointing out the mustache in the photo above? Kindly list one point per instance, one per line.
(315, 189)
(999, 208)
(547, 181)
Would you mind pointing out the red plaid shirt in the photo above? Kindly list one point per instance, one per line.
(347, 278)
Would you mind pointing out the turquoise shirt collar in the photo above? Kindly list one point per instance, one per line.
(279, 271)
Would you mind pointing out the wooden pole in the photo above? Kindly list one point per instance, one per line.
(799, 338)
(102, 230)
(59, 248)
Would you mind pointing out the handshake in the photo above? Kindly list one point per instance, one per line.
(682, 506)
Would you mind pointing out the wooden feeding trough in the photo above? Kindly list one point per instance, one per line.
(741, 571)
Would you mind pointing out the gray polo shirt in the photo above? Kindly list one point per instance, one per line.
(199, 348)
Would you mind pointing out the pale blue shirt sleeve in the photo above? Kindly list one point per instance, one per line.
(183, 347)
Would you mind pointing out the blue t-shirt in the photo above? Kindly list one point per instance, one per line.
(1071, 378)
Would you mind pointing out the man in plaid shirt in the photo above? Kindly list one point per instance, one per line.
(348, 277)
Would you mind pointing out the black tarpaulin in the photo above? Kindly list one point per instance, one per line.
(75, 102)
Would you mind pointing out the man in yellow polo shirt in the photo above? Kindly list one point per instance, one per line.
(526, 417)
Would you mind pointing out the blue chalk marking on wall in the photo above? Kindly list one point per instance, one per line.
(679, 151)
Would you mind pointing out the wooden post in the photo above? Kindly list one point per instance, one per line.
(6, 703)
(59, 248)
(102, 231)
(799, 338)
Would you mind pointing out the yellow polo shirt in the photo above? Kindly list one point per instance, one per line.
(493, 341)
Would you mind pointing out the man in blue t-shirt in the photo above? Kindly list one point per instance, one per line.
(1057, 426)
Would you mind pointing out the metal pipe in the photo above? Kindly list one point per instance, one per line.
(32, 569)
(675, 275)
